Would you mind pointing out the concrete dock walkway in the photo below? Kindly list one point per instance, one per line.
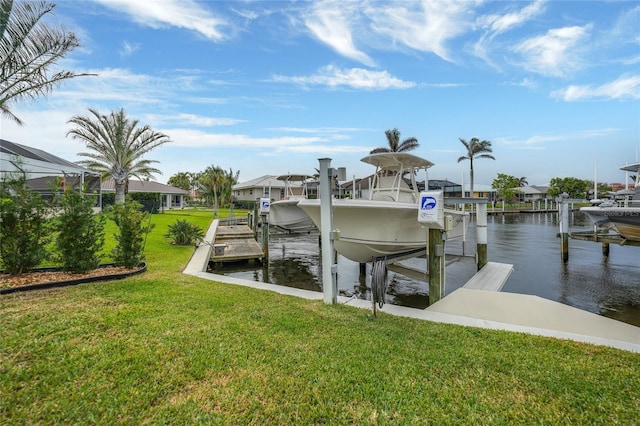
(469, 307)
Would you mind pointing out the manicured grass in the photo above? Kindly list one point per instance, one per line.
(163, 347)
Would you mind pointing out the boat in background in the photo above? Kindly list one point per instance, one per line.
(385, 224)
(285, 213)
(625, 218)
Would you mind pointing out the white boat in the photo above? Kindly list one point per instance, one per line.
(624, 219)
(285, 213)
(385, 224)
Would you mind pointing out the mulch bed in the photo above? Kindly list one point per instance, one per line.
(53, 277)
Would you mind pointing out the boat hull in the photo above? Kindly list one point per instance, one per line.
(286, 215)
(370, 228)
(625, 220)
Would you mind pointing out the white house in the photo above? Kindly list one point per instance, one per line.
(267, 186)
(533, 193)
(171, 197)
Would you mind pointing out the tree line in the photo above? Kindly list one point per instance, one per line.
(214, 185)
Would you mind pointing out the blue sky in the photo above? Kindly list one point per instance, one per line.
(269, 87)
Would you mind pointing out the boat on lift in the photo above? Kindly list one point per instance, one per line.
(285, 213)
(385, 224)
(623, 219)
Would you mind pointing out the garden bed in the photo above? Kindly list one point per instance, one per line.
(54, 277)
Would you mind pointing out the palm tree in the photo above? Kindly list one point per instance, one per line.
(117, 145)
(216, 184)
(393, 137)
(475, 149)
(523, 181)
(29, 49)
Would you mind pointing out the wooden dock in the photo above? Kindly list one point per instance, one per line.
(491, 277)
(604, 237)
(235, 242)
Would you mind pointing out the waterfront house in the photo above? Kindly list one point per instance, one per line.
(533, 193)
(168, 197)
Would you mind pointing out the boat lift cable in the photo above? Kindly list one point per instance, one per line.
(379, 273)
(379, 281)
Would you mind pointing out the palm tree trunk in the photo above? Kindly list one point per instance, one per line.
(119, 193)
(471, 179)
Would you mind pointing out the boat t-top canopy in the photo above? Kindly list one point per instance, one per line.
(633, 168)
(396, 161)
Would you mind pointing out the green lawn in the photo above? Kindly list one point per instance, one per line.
(165, 348)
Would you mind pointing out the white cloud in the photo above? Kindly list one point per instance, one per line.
(554, 54)
(501, 23)
(329, 24)
(627, 87)
(129, 49)
(525, 82)
(190, 138)
(356, 78)
(185, 119)
(495, 25)
(425, 26)
(185, 14)
(537, 142)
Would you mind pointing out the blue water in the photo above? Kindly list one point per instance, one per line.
(608, 286)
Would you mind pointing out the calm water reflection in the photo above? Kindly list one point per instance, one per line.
(606, 286)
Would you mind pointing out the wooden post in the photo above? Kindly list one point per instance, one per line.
(605, 249)
(265, 237)
(564, 227)
(481, 235)
(255, 219)
(436, 270)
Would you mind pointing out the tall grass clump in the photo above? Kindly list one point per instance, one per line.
(184, 233)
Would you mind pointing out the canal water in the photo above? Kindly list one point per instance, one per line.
(608, 286)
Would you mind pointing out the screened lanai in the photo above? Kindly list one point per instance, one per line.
(44, 172)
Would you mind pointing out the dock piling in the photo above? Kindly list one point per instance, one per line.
(481, 235)
(563, 207)
(436, 265)
(265, 237)
(329, 269)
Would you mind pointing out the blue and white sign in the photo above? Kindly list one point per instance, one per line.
(265, 205)
(431, 209)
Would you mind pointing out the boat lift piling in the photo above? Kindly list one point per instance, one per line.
(327, 233)
(436, 239)
(563, 207)
(265, 205)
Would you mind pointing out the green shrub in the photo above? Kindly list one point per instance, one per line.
(133, 226)
(184, 233)
(23, 227)
(81, 233)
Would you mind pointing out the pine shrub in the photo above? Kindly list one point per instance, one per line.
(23, 227)
(133, 226)
(81, 233)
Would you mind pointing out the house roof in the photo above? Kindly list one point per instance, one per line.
(35, 161)
(144, 186)
(534, 189)
(266, 181)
